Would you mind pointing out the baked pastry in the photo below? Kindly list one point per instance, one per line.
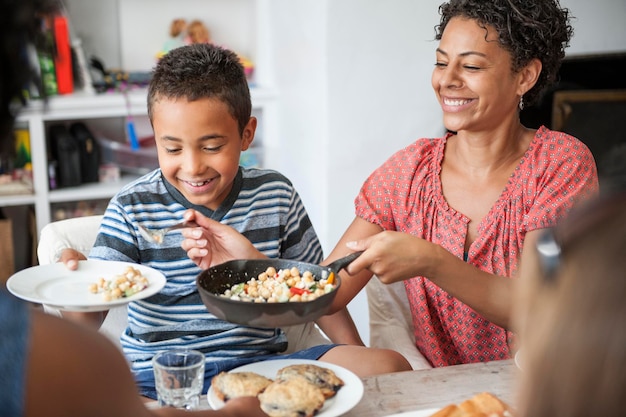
(480, 405)
(293, 397)
(227, 385)
(323, 378)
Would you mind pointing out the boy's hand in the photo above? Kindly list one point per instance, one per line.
(214, 243)
(70, 258)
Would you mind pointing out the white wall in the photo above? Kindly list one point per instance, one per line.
(598, 26)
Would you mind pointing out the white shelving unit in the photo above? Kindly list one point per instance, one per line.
(110, 34)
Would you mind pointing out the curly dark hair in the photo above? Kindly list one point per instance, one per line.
(202, 71)
(528, 29)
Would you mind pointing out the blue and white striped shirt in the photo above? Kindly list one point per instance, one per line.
(262, 205)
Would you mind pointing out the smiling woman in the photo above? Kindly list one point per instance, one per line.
(450, 216)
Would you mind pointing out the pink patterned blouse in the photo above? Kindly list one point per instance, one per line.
(404, 194)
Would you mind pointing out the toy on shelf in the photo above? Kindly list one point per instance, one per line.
(196, 31)
(178, 36)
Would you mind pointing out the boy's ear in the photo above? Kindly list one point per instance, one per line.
(248, 134)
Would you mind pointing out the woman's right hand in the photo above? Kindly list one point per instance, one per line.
(393, 256)
(214, 243)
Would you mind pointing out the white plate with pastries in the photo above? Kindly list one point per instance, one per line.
(346, 398)
(56, 286)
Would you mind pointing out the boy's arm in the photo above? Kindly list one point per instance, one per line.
(340, 328)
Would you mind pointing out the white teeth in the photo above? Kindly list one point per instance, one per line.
(198, 184)
(451, 102)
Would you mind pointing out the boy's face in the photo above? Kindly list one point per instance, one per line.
(198, 146)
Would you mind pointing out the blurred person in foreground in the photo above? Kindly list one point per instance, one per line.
(572, 315)
(48, 366)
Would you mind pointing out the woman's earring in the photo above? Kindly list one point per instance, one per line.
(521, 103)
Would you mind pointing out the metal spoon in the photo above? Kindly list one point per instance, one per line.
(158, 235)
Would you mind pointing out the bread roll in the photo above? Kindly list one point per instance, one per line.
(227, 385)
(480, 405)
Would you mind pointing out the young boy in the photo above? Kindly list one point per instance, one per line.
(199, 106)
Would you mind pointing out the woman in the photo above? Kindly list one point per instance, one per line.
(573, 314)
(450, 215)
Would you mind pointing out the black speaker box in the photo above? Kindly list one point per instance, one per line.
(65, 151)
(89, 152)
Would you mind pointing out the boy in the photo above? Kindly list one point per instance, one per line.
(199, 106)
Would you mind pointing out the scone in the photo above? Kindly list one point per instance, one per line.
(293, 397)
(227, 385)
(323, 378)
(480, 405)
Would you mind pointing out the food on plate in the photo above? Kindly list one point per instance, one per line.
(324, 378)
(126, 284)
(227, 385)
(481, 405)
(284, 285)
(293, 397)
(297, 390)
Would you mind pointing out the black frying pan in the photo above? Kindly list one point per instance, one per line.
(214, 281)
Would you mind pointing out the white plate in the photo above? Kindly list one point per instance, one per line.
(346, 398)
(417, 413)
(56, 286)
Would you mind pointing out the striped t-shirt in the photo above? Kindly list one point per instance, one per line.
(262, 205)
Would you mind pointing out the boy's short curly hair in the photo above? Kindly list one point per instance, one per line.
(200, 71)
(528, 29)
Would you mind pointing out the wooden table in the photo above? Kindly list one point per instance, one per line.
(434, 388)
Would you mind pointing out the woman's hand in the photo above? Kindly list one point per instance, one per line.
(393, 256)
(214, 243)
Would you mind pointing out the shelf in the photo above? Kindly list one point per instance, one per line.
(17, 200)
(81, 105)
(92, 191)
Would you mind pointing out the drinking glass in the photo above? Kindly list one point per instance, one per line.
(179, 376)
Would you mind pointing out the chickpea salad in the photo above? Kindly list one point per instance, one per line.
(284, 285)
(126, 284)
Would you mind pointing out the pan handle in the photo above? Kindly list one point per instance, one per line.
(341, 263)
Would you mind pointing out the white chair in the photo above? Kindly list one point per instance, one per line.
(80, 234)
(391, 325)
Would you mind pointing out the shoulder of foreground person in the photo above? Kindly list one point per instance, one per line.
(74, 370)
